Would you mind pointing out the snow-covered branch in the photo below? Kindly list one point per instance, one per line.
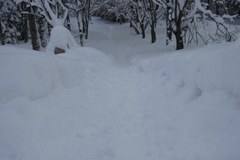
(52, 17)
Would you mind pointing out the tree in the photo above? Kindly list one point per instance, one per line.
(233, 7)
(54, 11)
(176, 10)
(169, 20)
(183, 17)
(152, 10)
(33, 27)
(83, 10)
(138, 16)
(22, 7)
(33, 22)
(10, 20)
(42, 31)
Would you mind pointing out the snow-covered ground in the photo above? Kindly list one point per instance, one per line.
(130, 101)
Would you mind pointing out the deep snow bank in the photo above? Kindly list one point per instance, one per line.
(211, 68)
(33, 75)
(193, 106)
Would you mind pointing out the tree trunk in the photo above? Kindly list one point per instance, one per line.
(142, 26)
(49, 29)
(178, 33)
(24, 29)
(86, 29)
(179, 42)
(217, 8)
(87, 17)
(179, 39)
(169, 21)
(209, 4)
(178, 22)
(1, 35)
(42, 31)
(153, 34)
(33, 30)
(152, 8)
(80, 30)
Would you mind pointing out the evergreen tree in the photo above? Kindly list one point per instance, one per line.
(10, 20)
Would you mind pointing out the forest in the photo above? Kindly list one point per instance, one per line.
(185, 21)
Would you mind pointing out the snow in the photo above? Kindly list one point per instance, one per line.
(132, 100)
(65, 42)
(231, 18)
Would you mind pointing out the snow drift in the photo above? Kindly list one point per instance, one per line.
(211, 68)
(34, 74)
(183, 105)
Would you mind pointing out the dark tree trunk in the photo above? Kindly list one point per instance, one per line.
(179, 42)
(179, 38)
(33, 30)
(153, 34)
(83, 24)
(178, 23)
(49, 29)
(142, 26)
(209, 4)
(25, 30)
(1, 35)
(86, 28)
(154, 21)
(217, 8)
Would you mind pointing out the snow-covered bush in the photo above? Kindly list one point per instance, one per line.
(114, 11)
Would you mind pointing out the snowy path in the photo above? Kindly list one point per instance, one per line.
(84, 105)
(122, 44)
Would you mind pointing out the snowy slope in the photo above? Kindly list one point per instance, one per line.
(82, 105)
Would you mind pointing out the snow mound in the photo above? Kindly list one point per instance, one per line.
(211, 68)
(62, 38)
(34, 75)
